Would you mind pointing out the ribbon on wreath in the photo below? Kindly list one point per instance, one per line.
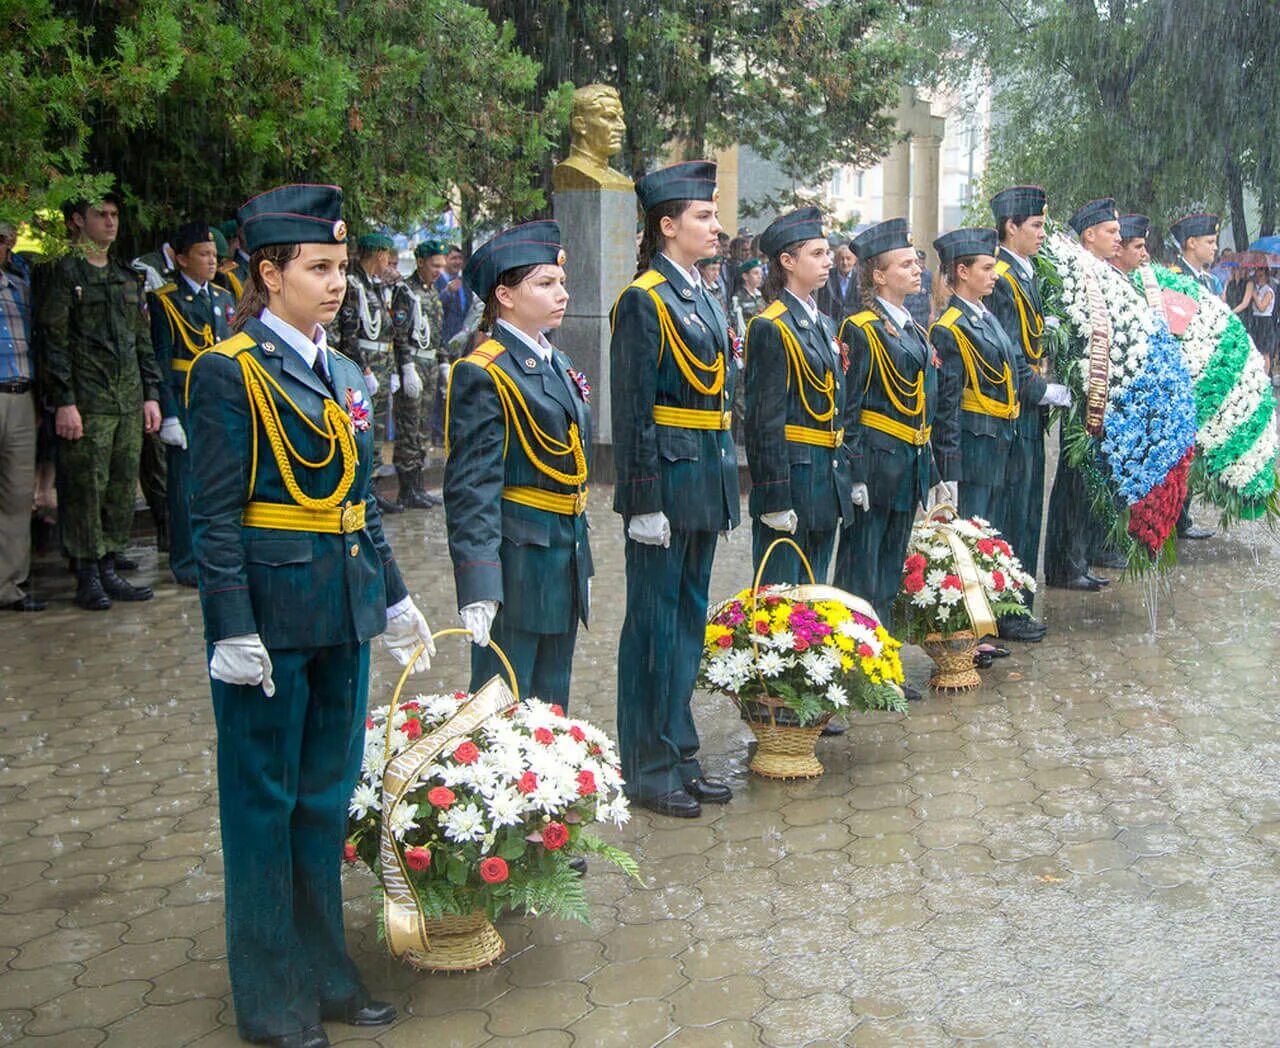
(976, 605)
(1095, 387)
(1176, 308)
(401, 907)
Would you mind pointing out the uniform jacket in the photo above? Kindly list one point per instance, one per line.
(691, 475)
(156, 269)
(1013, 289)
(365, 316)
(533, 561)
(417, 319)
(195, 316)
(881, 461)
(96, 338)
(296, 589)
(1205, 279)
(787, 473)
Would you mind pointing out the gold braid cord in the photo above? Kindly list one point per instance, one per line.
(805, 378)
(686, 360)
(517, 411)
(896, 387)
(196, 340)
(263, 407)
(976, 369)
(1031, 321)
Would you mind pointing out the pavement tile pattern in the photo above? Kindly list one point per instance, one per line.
(1085, 851)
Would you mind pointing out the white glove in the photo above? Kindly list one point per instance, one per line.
(478, 618)
(394, 383)
(406, 629)
(860, 496)
(1056, 396)
(1052, 323)
(652, 529)
(371, 383)
(171, 433)
(242, 660)
(784, 520)
(944, 493)
(411, 383)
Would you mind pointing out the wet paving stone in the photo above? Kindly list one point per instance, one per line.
(1084, 851)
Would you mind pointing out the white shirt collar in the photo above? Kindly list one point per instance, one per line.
(542, 347)
(197, 288)
(975, 309)
(896, 313)
(810, 306)
(1023, 263)
(692, 275)
(306, 347)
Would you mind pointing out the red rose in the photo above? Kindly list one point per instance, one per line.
(544, 736)
(368, 723)
(997, 580)
(916, 563)
(441, 796)
(586, 783)
(528, 783)
(762, 628)
(952, 582)
(412, 728)
(725, 642)
(554, 836)
(493, 870)
(577, 734)
(557, 709)
(800, 644)
(913, 583)
(866, 651)
(412, 704)
(417, 858)
(466, 753)
(349, 852)
(595, 750)
(987, 547)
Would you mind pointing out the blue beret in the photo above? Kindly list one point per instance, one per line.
(692, 180)
(882, 237)
(802, 224)
(961, 243)
(296, 214)
(1093, 213)
(1134, 226)
(532, 244)
(428, 248)
(1201, 224)
(189, 234)
(1019, 201)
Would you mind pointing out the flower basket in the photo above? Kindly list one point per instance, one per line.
(471, 805)
(959, 576)
(791, 657)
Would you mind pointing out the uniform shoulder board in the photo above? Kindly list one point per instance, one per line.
(1002, 267)
(773, 310)
(648, 280)
(1175, 268)
(235, 345)
(167, 289)
(867, 316)
(485, 353)
(949, 318)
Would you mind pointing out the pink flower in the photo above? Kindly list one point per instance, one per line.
(586, 783)
(528, 783)
(544, 736)
(466, 753)
(417, 858)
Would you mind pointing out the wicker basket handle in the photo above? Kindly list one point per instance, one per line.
(755, 599)
(452, 631)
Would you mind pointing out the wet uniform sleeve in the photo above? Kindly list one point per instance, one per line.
(945, 442)
(162, 341)
(766, 419)
(633, 356)
(854, 340)
(54, 319)
(140, 321)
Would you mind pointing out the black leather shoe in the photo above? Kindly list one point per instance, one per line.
(1109, 559)
(1084, 583)
(122, 563)
(677, 804)
(311, 1037)
(912, 694)
(832, 729)
(27, 603)
(371, 1013)
(89, 592)
(386, 505)
(116, 588)
(1192, 532)
(1099, 580)
(578, 865)
(710, 791)
(1021, 628)
(981, 660)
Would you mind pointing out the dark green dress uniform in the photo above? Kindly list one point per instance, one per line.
(993, 376)
(1072, 531)
(672, 377)
(418, 322)
(185, 321)
(97, 355)
(795, 418)
(900, 433)
(518, 428)
(366, 332)
(296, 554)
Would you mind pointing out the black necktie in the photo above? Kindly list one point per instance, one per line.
(318, 367)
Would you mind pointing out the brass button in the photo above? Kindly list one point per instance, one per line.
(355, 550)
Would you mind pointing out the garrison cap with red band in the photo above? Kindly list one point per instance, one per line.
(1019, 202)
(692, 180)
(1202, 224)
(1094, 213)
(1134, 226)
(532, 244)
(881, 238)
(294, 214)
(803, 224)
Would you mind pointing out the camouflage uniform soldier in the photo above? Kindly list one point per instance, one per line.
(365, 335)
(418, 317)
(102, 378)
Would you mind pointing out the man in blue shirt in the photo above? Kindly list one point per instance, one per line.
(454, 297)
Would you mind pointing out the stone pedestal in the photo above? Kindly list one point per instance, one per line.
(598, 230)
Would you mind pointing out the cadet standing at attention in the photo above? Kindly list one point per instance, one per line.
(515, 484)
(99, 371)
(367, 336)
(677, 487)
(795, 406)
(419, 325)
(1015, 300)
(900, 429)
(187, 317)
(296, 577)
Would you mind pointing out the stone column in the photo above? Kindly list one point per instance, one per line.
(926, 158)
(897, 181)
(598, 230)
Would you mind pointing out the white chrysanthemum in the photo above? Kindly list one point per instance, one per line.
(783, 640)
(402, 820)
(950, 595)
(935, 577)
(719, 672)
(925, 598)
(816, 667)
(615, 810)
(364, 799)
(506, 807)
(463, 822)
(771, 664)
(837, 696)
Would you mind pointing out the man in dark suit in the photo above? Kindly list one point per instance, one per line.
(841, 296)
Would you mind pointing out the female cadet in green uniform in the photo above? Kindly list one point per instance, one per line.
(188, 315)
(517, 425)
(795, 406)
(677, 483)
(900, 427)
(296, 577)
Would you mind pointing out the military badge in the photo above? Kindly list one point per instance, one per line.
(358, 410)
(735, 342)
(580, 380)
